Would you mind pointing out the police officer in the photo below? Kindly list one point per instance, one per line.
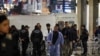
(84, 38)
(6, 47)
(36, 38)
(15, 37)
(24, 36)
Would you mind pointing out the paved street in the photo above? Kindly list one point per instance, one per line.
(31, 20)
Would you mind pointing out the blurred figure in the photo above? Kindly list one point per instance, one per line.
(75, 36)
(6, 47)
(55, 41)
(36, 38)
(24, 36)
(97, 32)
(48, 26)
(20, 6)
(39, 25)
(84, 38)
(58, 27)
(67, 33)
(15, 37)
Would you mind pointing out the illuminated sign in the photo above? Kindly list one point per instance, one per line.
(68, 5)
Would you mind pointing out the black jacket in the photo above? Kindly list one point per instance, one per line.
(74, 34)
(84, 35)
(24, 34)
(36, 36)
(15, 38)
(6, 46)
(68, 32)
(15, 35)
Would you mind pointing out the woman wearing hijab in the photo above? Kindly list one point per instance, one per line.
(55, 41)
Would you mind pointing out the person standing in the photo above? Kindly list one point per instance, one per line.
(74, 35)
(48, 30)
(6, 47)
(67, 33)
(15, 37)
(84, 38)
(24, 36)
(38, 25)
(55, 41)
(36, 38)
(97, 32)
(48, 26)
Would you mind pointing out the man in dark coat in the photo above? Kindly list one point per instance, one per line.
(24, 36)
(36, 38)
(6, 44)
(15, 38)
(74, 33)
(67, 33)
(84, 38)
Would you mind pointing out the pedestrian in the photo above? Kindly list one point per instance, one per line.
(6, 48)
(48, 30)
(36, 38)
(48, 26)
(55, 41)
(59, 27)
(24, 36)
(15, 38)
(39, 25)
(84, 38)
(67, 33)
(74, 36)
(97, 32)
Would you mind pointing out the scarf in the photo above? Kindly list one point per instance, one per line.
(55, 37)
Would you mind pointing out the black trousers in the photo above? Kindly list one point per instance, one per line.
(84, 43)
(24, 47)
(16, 51)
(36, 49)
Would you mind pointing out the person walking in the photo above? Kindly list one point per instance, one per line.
(55, 41)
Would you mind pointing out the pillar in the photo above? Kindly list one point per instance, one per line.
(93, 10)
(84, 10)
(79, 16)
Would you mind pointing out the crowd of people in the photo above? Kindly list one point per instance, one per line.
(56, 39)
